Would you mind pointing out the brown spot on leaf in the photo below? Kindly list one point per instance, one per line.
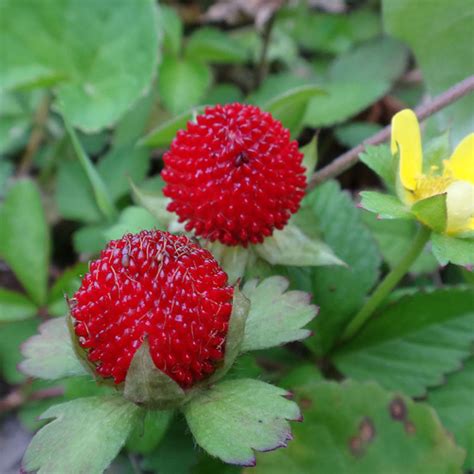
(356, 445)
(409, 427)
(367, 430)
(398, 409)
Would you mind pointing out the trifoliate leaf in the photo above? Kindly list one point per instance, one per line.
(359, 428)
(384, 205)
(276, 316)
(235, 417)
(291, 246)
(413, 343)
(85, 435)
(50, 354)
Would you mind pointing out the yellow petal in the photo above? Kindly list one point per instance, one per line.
(461, 163)
(407, 141)
(460, 206)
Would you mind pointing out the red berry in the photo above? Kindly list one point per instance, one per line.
(234, 175)
(160, 286)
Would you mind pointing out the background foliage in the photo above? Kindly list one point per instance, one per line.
(91, 95)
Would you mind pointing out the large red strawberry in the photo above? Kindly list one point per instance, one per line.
(157, 286)
(234, 175)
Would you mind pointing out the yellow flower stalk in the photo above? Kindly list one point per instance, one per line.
(455, 179)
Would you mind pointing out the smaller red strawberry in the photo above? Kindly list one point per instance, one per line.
(158, 286)
(234, 175)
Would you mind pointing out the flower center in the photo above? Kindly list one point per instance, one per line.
(427, 186)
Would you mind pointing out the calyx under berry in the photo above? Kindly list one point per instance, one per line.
(234, 175)
(159, 288)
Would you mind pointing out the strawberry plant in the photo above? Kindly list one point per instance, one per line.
(236, 237)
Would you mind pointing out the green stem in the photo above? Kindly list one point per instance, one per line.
(388, 283)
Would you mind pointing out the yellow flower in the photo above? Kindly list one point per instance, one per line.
(456, 179)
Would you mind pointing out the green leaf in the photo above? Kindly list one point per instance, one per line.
(235, 334)
(358, 428)
(87, 71)
(50, 355)
(432, 212)
(147, 435)
(215, 46)
(148, 386)
(453, 403)
(437, 32)
(172, 25)
(236, 417)
(384, 205)
(290, 106)
(176, 453)
(155, 203)
(342, 101)
(380, 160)
(101, 193)
(354, 133)
(120, 165)
(339, 291)
(14, 306)
(276, 316)
(132, 219)
(383, 58)
(223, 93)
(12, 336)
(90, 240)
(163, 135)
(61, 446)
(291, 246)
(352, 87)
(182, 83)
(413, 343)
(451, 249)
(394, 238)
(24, 239)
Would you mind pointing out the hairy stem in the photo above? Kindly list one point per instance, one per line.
(350, 158)
(388, 283)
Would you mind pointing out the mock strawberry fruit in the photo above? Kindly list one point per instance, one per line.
(234, 175)
(158, 286)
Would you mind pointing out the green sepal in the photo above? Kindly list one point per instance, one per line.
(233, 259)
(50, 354)
(81, 353)
(384, 205)
(291, 246)
(149, 387)
(432, 212)
(310, 159)
(234, 418)
(235, 333)
(452, 249)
